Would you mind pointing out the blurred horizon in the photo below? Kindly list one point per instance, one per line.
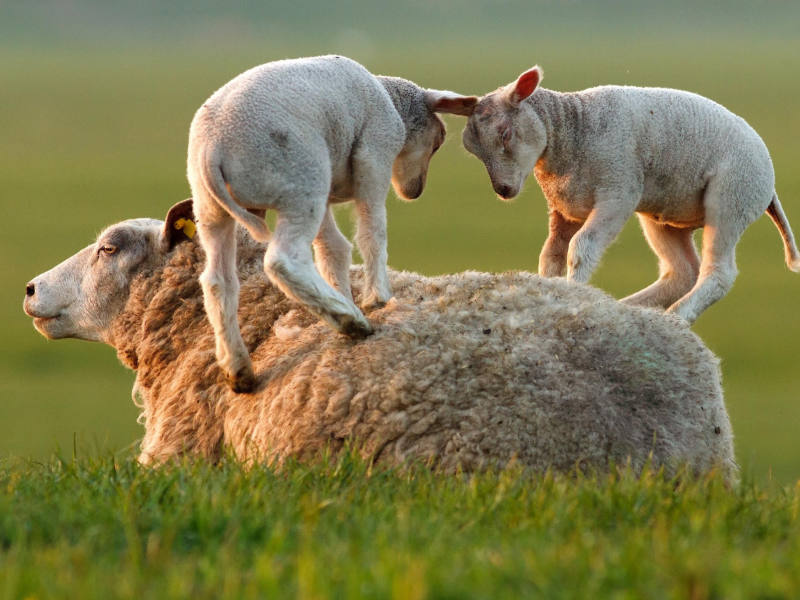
(97, 98)
(209, 22)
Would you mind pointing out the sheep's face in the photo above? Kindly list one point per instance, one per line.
(424, 136)
(507, 137)
(82, 296)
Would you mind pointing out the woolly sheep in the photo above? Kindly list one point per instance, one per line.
(680, 161)
(297, 136)
(469, 371)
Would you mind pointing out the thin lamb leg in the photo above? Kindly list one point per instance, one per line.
(679, 264)
(332, 255)
(220, 284)
(289, 264)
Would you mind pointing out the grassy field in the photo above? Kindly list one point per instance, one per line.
(106, 529)
(90, 137)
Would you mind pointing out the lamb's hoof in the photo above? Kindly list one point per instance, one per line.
(355, 329)
(244, 381)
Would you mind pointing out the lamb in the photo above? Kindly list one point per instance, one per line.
(678, 160)
(467, 371)
(297, 136)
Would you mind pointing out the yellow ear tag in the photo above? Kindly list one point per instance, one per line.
(187, 226)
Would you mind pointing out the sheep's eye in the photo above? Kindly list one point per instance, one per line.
(108, 249)
(506, 135)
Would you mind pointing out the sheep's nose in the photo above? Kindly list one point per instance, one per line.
(30, 289)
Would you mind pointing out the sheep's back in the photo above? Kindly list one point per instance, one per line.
(475, 369)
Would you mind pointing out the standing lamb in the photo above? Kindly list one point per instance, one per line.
(470, 371)
(678, 160)
(297, 136)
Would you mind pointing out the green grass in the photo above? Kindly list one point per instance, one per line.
(104, 528)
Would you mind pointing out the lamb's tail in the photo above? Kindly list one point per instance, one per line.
(775, 213)
(215, 184)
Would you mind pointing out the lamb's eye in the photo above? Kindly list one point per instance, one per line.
(108, 249)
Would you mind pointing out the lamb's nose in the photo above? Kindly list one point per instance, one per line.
(30, 289)
(504, 190)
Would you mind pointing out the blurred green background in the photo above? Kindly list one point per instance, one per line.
(96, 100)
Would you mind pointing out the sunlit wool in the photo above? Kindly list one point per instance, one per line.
(469, 370)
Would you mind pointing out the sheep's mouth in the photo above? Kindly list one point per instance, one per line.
(44, 325)
(42, 320)
(37, 316)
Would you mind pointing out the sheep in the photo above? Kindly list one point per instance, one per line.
(468, 371)
(297, 136)
(678, 160)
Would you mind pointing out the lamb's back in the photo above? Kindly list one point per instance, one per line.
(688, 125)
(668, 143)
(293, 106)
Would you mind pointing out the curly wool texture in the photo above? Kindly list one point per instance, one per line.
(469, 371)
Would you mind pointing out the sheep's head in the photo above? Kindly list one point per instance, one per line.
(425, 130)
(81, 297)
(506, 137)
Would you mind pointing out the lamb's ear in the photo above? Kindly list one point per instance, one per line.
(178, 226)
(525, 85)
(450, 102)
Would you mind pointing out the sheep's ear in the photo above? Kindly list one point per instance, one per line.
(450, 102)
(179, 225)
(525, 85)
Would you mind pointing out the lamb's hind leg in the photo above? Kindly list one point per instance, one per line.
(220, 283)
(289, 264)
(679, 264)
(728, 212)
(332, 255)
(717, 274)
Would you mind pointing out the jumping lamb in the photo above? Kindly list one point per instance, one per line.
(678, 160)
(297, 136)
(467, 371)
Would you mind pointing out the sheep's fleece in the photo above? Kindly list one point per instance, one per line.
(469, 370)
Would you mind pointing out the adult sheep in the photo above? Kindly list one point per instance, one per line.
(469, 370)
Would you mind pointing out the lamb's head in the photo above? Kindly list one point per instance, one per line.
(425, 130)
(81, 297)
(508, 138)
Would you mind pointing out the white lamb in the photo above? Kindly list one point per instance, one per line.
(678, 160)
(297, 136)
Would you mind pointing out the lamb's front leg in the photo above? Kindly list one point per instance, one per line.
(332, 255)
(372, 243)
(604, 224)
(553, 259)
(375, 176)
